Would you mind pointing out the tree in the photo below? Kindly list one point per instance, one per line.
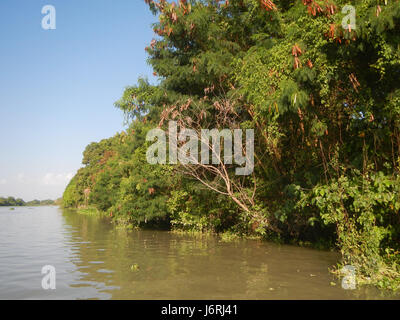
(322, 97)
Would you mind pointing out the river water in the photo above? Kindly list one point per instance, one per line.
(95, 260)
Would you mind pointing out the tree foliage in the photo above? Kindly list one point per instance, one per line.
(323, 98)
(12, 202)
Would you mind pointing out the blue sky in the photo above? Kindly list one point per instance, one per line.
(58, 87)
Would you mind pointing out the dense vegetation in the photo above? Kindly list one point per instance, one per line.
(12, 202)
(324, 102)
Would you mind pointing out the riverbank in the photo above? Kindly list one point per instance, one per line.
(94, 259)
(384, 278)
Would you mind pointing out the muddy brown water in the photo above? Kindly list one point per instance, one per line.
(95, 260)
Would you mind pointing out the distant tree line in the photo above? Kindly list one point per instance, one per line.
(12, 202)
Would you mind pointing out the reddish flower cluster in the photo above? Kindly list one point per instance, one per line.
(296, 52)
(268, 5)
(337, 34)
(170, 11)
(314, 8)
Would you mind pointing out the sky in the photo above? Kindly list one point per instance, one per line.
(58, 86)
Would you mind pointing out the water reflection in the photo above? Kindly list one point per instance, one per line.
(96, 260)
(176, 266)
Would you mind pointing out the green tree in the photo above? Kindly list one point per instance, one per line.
(323, 99)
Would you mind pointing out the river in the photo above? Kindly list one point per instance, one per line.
(93, 259)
